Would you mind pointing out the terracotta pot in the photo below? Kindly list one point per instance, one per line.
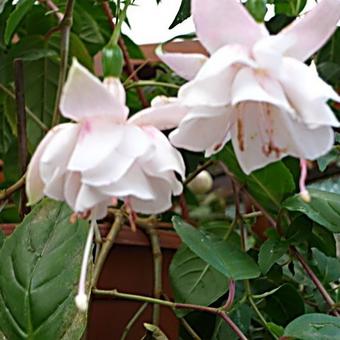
(129, 268)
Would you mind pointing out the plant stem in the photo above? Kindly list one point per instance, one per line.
(133, 320)
(5, 193)
(107, 245)
(21, 127)
(217, 311)
(29, 112)
(315, 280)
(129, 66)
(157, 260)
(65, 29)
(142, 83)
(231, 295)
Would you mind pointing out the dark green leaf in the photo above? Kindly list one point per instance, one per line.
(270, 252)
(2, 238)
(39, 268)
(241, 316)
(329, 267)
(194, 281)
(79, 51)
(324, 208)
(314, 326)
(276, 329)
(284, 305)
(330, 157)
(15, 17)
(220, 254)
(269, 186)
(183, 13)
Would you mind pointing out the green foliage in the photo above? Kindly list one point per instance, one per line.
(183, 13)
(257, 8)
(39, 268)
(324, 208)
(219, 253)
(314, 326)
(195, 281)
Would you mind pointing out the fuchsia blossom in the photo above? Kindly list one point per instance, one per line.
(103, 156)
(255, 89)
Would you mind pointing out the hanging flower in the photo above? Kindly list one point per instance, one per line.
(255, 89)
(103, 156)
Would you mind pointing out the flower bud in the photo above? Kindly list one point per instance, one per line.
(112, 61)
(202, 183)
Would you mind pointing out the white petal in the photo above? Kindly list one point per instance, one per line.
(252, 86)
(85, 96)
(54, 188)
(57, 153)
(165, 157)
(71, 188)
(34, 183)
(161, 202)
(308, 94)
(222, 22)
(97, 139)
(203, 129)
(185, 65)
(213, 82)
(135, 182)
(115, 86)
(311, 32)
(163, 117)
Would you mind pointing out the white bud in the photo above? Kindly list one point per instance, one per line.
(81, 302)
(202, 183)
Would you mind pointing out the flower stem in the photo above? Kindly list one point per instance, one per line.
(5, 193)
(107, 245)
(129, 66)
(315, 280)
(65, 29)
(133, 297)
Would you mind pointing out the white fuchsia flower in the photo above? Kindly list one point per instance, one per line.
(255, 89)
(103, 156)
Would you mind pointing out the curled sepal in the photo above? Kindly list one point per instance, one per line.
(112, 61)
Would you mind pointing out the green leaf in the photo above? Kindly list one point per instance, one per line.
(289, 7)
(39, 269)
(276, 329)
(270, 252)
(220, 254)
(314, 326)
(324, 208)
(330, 157)
(241, 316)
(183, 13)
(194, 281)
(15, 18)
(284, 305)
(79, 50)
(329, 267)
(269, 186)
(6, 136)
(257, 9)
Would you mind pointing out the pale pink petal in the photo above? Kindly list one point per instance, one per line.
(53, 162)
(111, 169)
(223, 22)
(308, 94)
(162, 116)
(71, 188)
(97, 140)
(85, 96)
(264, 134)
(212, 84)
(185, 65)
(54, 188)
(311, 32)
(34, 182)
(135, 182)
(88, 197)
(115, 86)
(161, 201)
(203, 129)
(165, 158)
(250, 85)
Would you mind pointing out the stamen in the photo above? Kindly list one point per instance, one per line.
(81, 299)
(303, 176)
